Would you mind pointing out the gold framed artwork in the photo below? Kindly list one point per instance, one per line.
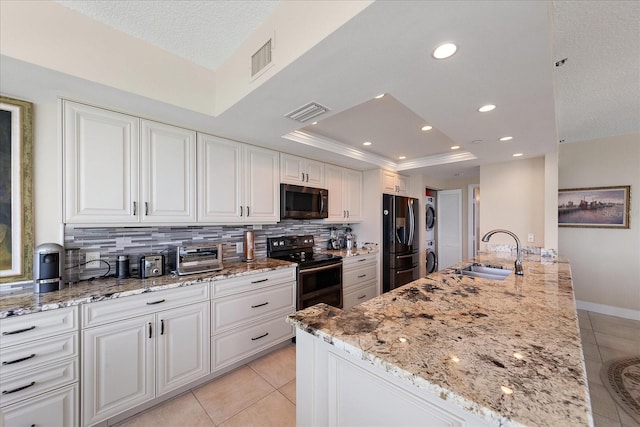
(595, 207)
(16, 190)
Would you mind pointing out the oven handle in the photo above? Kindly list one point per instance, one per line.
(404, 271)
(324, 267)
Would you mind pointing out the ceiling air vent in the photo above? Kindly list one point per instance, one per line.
(261, 58)
(307, 112)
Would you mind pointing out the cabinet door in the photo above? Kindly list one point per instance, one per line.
(53, 409)
(262, 189)
(168, 173)
(402, 183)
(334, 180)
(315, 174)
(353, 195)
(100, 165)
(292, 169)
(118, 367)
(389, 182)
(182, 346)
(220, 180)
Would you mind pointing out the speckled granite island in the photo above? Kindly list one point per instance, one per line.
(448, 350)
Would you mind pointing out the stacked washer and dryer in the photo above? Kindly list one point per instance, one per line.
(430, 235)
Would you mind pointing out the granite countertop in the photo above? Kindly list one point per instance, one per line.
(110, 288)
(471, 341)
(344, 253)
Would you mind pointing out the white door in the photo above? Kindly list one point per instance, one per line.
(353, 195)
(220, 180)
(314, 174)
(449, 222)
(262, 186)
(182, 346)
(292, 169)
(118, 367)
(100, 165)
(333, 179)
(168, 173)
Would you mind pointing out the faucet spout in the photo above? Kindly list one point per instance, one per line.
(518, 263)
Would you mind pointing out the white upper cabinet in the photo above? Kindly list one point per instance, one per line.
(238, 183)
(120, 169)
(168, 173)
(393, 183)
(345, 194)
(300, 171)
(101, 165)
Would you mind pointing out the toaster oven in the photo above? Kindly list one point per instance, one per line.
(192, 259)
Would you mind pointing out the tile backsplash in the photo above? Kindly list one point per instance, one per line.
(138, 241)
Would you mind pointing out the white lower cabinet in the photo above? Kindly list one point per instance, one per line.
(359, 279)
(248, 315)
(131, 361)
(57, 409)
(39, 370)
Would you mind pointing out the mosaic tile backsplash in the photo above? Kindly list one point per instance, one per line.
(138, 241)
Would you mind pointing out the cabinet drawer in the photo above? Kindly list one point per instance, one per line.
(126, 307)
(358, 276)
(54, 409)
(360, 295)
(233, 346)
(22, 357)
(20, 329)
(359, 261)
(221, 288)
(233, 310)
(36, 381)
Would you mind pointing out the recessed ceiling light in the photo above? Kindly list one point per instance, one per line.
(314, 123)
(366, 143)
(444, 51)
(379, 96)
(402, 157)
(455, 147)
(506, 138)
(517, 155)
(486, 108)
(427, 127)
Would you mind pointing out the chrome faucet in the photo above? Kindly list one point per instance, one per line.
(518, 263)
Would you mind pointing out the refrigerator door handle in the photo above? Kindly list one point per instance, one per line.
(412, 222)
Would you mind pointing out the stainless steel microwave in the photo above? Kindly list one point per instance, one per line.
(297, 202)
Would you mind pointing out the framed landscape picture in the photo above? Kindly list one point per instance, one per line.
(601, 207)
(16, 212)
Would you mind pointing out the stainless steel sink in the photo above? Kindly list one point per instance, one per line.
(492, 273)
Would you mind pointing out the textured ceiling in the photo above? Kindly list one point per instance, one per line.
(203, 32)
(598, 88)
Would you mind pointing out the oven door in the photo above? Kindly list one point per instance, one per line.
(320, 284)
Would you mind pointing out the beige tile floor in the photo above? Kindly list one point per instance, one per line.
(263, 393)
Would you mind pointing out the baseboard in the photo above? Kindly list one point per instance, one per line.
(609, 310)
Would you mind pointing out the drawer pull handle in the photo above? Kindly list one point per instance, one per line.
(260, 305)
(259, 281)
(363, 259)
(19, 331)
(362, 296)
(11, 362)
(156, 302)
(361, 276)
(261, 336)
(19, 388)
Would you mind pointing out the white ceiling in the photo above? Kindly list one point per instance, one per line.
(506, 57)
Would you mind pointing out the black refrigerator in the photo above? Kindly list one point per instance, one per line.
(400, 257)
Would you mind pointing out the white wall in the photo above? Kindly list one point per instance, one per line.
(512, 196)
(605, 263)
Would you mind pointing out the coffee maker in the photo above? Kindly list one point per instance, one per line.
(48, 268)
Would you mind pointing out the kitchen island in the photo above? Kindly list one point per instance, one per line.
(448, 349)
